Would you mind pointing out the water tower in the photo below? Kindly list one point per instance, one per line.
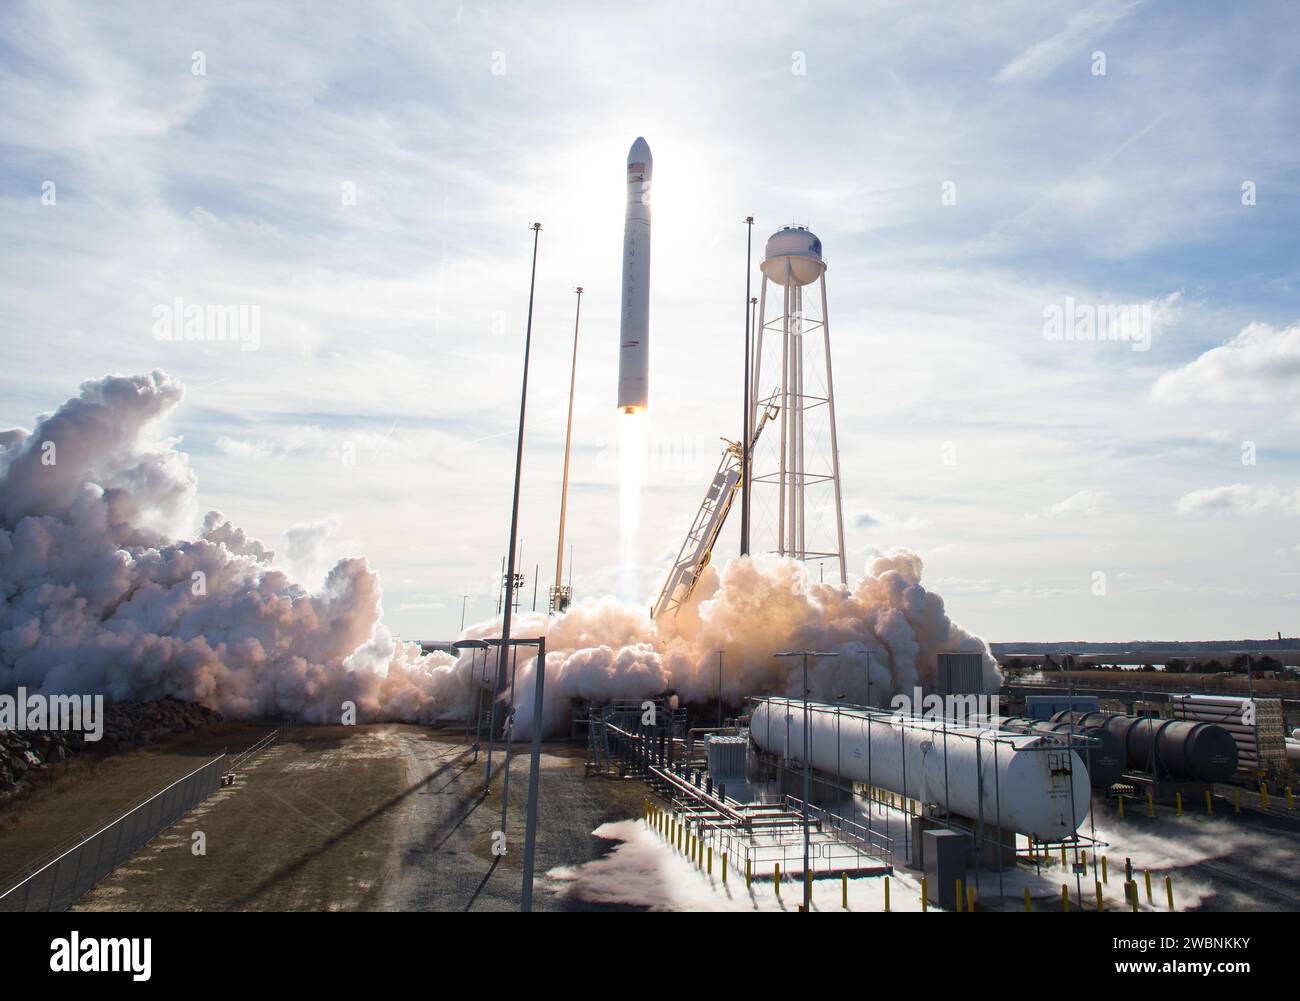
(795, 473)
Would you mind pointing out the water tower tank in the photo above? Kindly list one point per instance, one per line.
(798, 246)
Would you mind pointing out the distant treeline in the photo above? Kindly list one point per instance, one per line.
(1173, 665)
(1188, 648)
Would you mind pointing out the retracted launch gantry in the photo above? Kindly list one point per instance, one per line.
(697, 550)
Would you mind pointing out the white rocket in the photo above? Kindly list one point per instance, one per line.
(634, 318)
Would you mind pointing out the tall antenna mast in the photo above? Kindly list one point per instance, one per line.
(746, 431)
(562, 594)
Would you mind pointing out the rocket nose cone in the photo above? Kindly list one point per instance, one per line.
(640, 152)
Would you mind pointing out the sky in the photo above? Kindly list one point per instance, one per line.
(366, 179)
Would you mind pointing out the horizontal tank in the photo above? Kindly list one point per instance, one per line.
(1168, 748)
(1101, 750)
(1020, 783)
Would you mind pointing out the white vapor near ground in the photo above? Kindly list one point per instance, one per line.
(105, 592)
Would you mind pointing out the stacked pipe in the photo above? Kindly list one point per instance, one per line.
(1166, 748)
(1255, 724)
(1100, 749)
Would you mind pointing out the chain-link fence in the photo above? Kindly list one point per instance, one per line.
(57, 883)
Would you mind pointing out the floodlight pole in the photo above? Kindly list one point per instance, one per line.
(807, 768)
(509, 581)
(720, 687)
(746, 431)
(568, 440)
(534, 777)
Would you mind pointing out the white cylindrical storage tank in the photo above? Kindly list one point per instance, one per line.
(797, 247)
(1019, 783)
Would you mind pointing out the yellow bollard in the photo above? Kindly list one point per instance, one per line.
(1065, 898)
(1101, 903)
(776, 879)
(891, 800)
(970, 899)
(1290, 800)
(710, 860)
(1028, 906)
(1169, 889)
(749, 877)
(1103, 870)
(925, 904)
(1178, 800)
(1085, 861)
(1121, 806)
(1236, 801)
(844, 891)
(960, 896)
(1146, 874)
(1133, 888)
(1151, 805)
(1209, 804)
(1062, 854)
(886, 894)
(1263, 796)
(724, 868)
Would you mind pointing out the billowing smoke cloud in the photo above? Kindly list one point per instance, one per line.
(102, 593)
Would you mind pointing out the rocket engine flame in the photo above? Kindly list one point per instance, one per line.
(631, 469)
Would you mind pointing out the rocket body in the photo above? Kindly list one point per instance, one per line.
(634, 317)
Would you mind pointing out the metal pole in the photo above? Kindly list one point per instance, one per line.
(519, 466)
(469, 690)
(807, 774)
(519, 469)
(835, 448)
(510, 739)
(478, 705)
(534, 775)
(719, 688)
(746, 427)
(568, 440)
(464, 606)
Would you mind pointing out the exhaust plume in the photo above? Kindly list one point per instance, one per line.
(105, 593)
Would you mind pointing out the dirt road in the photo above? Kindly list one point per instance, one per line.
(385, 817)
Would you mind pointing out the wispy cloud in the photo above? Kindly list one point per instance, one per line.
(1081, 28)
(1240, 499)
